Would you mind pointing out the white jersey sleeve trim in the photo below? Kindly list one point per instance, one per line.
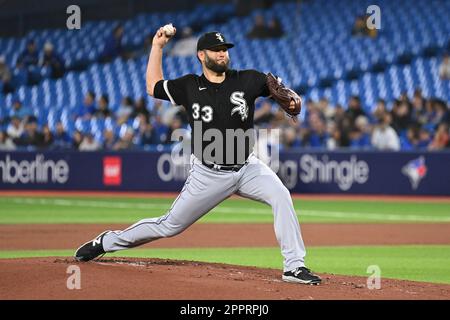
(166, 89)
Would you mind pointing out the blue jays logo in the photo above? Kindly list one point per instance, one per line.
(415, 170)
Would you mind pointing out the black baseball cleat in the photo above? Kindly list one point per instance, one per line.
(91, 249)
(301, 275)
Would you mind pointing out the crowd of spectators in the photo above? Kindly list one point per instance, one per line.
(405, 124)
(133, 126)
(31, 66)
(265, 30)
(418, 123)
(36, 63)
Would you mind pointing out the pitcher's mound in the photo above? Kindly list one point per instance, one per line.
(120, 278)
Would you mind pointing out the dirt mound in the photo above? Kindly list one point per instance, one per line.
(156, 279)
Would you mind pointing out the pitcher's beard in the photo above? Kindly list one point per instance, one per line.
(216, 67)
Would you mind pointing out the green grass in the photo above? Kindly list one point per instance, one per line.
(16, 210)
(419, 263)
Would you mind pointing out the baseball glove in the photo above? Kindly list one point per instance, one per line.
(288, 100)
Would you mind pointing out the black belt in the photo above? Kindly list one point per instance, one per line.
(235, 167)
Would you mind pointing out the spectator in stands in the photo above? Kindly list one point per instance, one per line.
(15, 127)
(404, 97)
(109, 139)
(19, 76)
(161, 129)
(334, 136)
(275, 28)
(147, 134)
(430, 113)
(30, 56)
(345, 129)
(103, 110)
(290, 138)
(360, 136)
(61, 139)
(259, 30)
(28, 61)
(20, 111)
(263, 112)
(77, 138)
(125, 110)
(113, 46)
(380, 110)
(441, 112)
(360, 27)
(5, 76)
(126, 142)
(325, 108)
(400, 116)
(52, 61)
(140, 107)
(318, 135)
(137, 121)
(279, 118)
(31, 137)
(87, 109)
(183, 115)
(186, 46)
(441, 139)
(6, 143)
(412, 138)
(444, 68)
(424, 138)
(89, 143)
(416, 138)
(418, 113)
(354, 109)
(384, 136)
(159, 109)
(433, 117)
(339, 115)
(174, 125)
(47, 137)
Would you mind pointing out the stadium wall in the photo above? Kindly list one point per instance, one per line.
(395, 173)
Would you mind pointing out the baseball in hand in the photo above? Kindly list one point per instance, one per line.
(169, 30)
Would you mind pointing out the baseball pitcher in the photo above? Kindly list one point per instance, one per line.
(220, 99)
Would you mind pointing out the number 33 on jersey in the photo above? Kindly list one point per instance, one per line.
(206, 112)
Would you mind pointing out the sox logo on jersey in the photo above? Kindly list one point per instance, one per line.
(237, 98)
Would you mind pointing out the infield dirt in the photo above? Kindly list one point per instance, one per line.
(46, 278)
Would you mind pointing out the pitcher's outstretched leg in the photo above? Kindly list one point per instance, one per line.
(202, 191)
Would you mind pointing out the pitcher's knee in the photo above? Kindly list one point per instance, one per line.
(173, 230)
(280, 194)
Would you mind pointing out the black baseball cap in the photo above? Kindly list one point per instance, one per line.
(212, 39)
